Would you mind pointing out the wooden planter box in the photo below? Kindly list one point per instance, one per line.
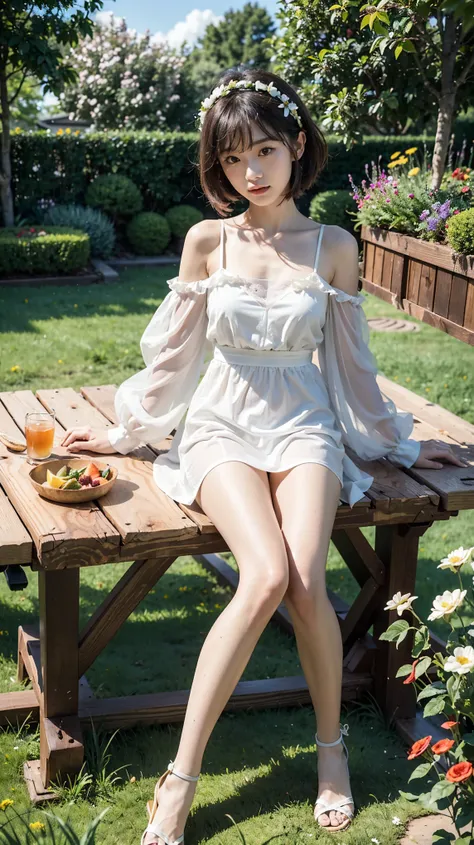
(426, 280)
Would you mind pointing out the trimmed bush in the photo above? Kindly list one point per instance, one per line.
(331, 207)
(90, 220)
(148, 233)
(117, 195)
(181, 218)
(52, 250)
(460, 232)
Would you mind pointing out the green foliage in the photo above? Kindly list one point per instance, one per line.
(148, 233)
(16, 830)
(90, 220)
(114, 194)
(52, 250)
(331, 207)
(181, 217)
(460, 232)
(60, 167)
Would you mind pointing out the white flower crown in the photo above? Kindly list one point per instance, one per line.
(222, 91)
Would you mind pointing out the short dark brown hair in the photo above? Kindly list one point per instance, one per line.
(227, 127)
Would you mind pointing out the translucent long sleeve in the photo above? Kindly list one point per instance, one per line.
(151, 403)
(369, 420)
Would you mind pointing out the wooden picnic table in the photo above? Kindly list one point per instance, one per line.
(137, 522)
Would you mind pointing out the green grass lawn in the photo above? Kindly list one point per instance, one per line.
(260, 767)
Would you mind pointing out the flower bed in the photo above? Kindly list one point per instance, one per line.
(419, 243)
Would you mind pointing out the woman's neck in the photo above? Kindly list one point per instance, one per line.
(273, 219)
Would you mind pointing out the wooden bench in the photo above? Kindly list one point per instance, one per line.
(137, 522)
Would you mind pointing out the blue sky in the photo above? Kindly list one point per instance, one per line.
(162, 16)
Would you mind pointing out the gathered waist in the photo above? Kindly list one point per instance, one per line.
(262, 357)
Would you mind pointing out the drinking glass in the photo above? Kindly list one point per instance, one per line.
(39, 433)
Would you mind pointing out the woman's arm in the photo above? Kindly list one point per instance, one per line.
(150, 404)
(369, 420)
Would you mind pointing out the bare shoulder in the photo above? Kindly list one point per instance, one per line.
(201, 240)
(343, 249)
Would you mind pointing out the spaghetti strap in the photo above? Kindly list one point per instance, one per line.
(221, 266)
(315, 267)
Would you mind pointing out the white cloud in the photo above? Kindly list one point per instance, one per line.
(106, 19)
(192, 28)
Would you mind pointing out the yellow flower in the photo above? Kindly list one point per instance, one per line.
(68, 131)
(26, 300)
(427, 389)
(402, 160)
(75, 305)
(60, 361)
(77, 132)
(408, 378)
(7, 802)
(15, 368)
(445, 385)
(60, 132)
(464, 377)
(414, 171)
(411, 151)
(18, 130)
(393, 164)
(37, 826)
(394, 155)
(166, 596)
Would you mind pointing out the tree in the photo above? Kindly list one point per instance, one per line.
(124, 80)
(32, 40)
(363, 63)
(27, 107)
(239, 39)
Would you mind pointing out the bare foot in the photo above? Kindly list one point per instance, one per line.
(334, 783)
(175, 798)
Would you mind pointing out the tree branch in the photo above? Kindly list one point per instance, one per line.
(12, 99)
(464, 74)
(427, 82)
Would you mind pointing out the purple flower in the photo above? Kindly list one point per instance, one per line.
(424, 214)
(411, 196)
(432, 223)
(444, 210)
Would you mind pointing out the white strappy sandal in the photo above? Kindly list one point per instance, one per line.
(152, 807)
(336, 805)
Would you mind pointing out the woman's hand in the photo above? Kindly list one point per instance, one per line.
(87, 439)
(432, 452)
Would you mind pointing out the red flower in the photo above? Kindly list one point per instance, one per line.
(449, 725)
(411, 676)
(465, 189)
(419, 747)
(32, 229)
(442, 746)
(459, 772)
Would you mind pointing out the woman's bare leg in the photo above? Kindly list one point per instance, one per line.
(306, 498)
(237, 499)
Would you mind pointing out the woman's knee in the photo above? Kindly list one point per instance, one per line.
(264, 582)
(306, 590)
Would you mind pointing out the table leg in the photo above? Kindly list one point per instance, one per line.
(397, 547)
(61, 748)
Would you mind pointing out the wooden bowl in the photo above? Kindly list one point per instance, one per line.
(70, 497)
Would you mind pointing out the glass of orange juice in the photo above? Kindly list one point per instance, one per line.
(39, 433)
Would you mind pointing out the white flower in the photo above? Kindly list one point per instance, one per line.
(462, 661)
(274, 92)
(396, 820)
(446, 604)
(260, 86)
(400, 603)
(376, 841)
(471, 632)
(456, 559)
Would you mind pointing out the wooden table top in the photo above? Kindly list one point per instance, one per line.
(137, 520)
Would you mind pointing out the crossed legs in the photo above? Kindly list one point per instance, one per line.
(278, 527)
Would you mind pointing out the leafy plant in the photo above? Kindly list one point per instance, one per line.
(460, 232)
(181, 217)
(332, 207)
(148, 233)
(450, 694)
(98, 759)
(243, 839)
(20, 830)
(114, 194)
(90, 220)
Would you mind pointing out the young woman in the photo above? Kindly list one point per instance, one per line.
(262, 446)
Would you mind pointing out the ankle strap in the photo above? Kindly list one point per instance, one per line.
(172, 769)
(344, 731)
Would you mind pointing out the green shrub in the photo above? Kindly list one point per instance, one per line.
(331, 207)
(117, 195)
(460, 232)
(149, 233)
(48, 250)
(90, 220)
(181, 218)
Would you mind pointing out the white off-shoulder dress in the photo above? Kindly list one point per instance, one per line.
(262, 400)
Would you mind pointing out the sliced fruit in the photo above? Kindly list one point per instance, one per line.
(63, 472)
(54, 481)
(72, 484)
(103, 481)
(92, 471)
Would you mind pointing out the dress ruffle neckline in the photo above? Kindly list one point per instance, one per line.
(313, 281)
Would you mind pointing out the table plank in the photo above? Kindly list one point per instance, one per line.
(16, 545)
(153, 515)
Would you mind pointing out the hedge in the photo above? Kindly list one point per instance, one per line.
(60, 250)
(60, 167)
